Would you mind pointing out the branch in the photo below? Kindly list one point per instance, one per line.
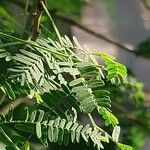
(96, 34)
(33, 20)
(14, 104)
(130, 116)
(37, 18)
(145, 4)
(29, 20)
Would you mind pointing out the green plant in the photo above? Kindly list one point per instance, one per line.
(60, 86)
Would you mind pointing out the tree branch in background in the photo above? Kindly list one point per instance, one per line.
(29, 20)
(130, 116)
(145, 4)
(37, 18)
(14, 104)
(32, 26)
(84, 28)
(96, 34)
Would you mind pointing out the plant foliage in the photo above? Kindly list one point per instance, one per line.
(61, 85)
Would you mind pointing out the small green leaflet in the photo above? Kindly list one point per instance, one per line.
(27, 146)
(124, 147)
(38, 97)
(116, 133)
(110, 119)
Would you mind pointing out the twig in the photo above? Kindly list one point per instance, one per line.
(10, 44)
(34, 44)
(96, 34)
(53, 23)
(130, 116)
(29, 21)
(32, 26)
(94, 124)
(37, 18)
(14, 104)
(2, 97)
(145, 4)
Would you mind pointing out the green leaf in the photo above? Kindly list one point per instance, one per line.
(38, 97)
(116, 133)
(38, 130)
(124, 147)
(27, 146)
(108, 117)
(105, 56)
(76, 82)
(9, 91)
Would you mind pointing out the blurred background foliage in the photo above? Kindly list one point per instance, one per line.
(128, 103)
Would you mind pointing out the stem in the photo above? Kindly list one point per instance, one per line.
(14, 104)
(26, 8)
(92, 120)
(53, 24)
(10, 44)
(34, 44)
(37, 19)
(146, 5)
(29, 21)
(95, 125)
(9, 140)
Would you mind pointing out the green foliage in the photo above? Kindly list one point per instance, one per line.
(60, 86)
(124, 147)
(55, 130)
(40, 69)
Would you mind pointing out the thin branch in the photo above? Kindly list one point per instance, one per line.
(88, 30)
(53, 23)
(10, 44)
(33, 20)
(145, 4)
(37, 18)
(14, 104)
(94, 124)
(130, 116)
(96, 34)
(29, 21)
(2, 97)
(33, 44)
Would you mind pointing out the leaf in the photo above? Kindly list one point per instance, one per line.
(116, 133)
(108, 117)
(38, 97)
(95, 83)
(124, 147)
(27, 146)
(9, 91)
(76, 82)
(105, 56)
(5, 54)
(78, 131)
(77, 43)
(38, 130)
(30, 54)
(50, 130)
